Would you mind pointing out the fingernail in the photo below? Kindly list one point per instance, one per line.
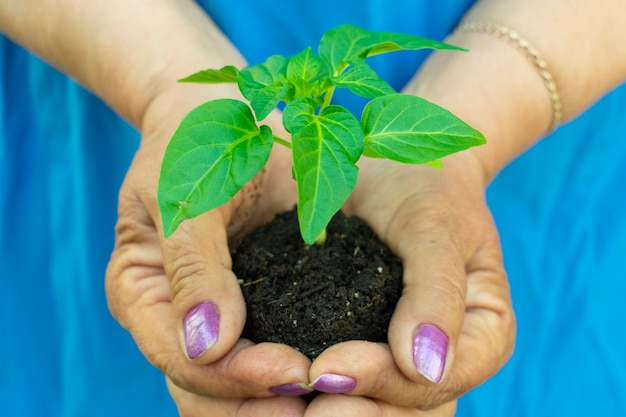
(334, 384)
(429, 351)
(291, 390)
(201, 327)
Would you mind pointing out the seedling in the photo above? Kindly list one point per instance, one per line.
(220, 145)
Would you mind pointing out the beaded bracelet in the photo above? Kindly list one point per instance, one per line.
(532, 54)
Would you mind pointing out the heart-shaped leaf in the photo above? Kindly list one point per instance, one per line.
(216, 149)
(412, 130)
(218, 146)
(305, 70)
(348, 45)
(362, 80)
(325, 148)
(264, 84)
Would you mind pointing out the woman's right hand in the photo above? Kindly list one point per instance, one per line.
(179, 298)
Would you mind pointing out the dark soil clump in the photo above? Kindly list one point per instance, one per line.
(311, 297)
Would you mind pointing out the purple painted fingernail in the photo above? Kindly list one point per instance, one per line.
(291, 390)
(430, 347)
(334, 384)
(201, 327)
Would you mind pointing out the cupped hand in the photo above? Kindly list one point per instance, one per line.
(194, 405)
(327, 405)
(178, 296)
(453, 326)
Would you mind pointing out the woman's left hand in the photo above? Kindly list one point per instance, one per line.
(454, 325)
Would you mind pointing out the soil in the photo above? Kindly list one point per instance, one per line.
(312, 297)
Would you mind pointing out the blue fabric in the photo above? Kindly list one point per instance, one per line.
(63, 155)
(560, 212)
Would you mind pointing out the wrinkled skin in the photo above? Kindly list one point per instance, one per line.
(435, 220)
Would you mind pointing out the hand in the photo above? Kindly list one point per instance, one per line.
(437, 221)
(154, 285)
(194, 405)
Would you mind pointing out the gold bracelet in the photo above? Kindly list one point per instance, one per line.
(532, 54)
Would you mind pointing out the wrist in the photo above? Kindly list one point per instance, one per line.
(160, 95)
(168, 106)
(493, 88)
(132, 72)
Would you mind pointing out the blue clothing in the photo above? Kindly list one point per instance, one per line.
(62, 158)
(63, 154)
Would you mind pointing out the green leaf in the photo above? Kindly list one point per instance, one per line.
(339, 46)
(383, 42)
(306, 71)
(264, 84)
(227, 74)
(412, 130)
(325, 147)
(348, 45)
(216, 149)
(436, 163)
(362, 80)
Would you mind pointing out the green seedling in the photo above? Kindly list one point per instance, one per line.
(221, 144)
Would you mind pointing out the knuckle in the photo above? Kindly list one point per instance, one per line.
(117, 285)
(172, 369)
(510, 331)
(113, 293)
(185, 268)
(134, 261)
(436, 219)
(450, 390)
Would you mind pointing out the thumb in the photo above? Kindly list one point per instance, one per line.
(205, 294)
(193, 311)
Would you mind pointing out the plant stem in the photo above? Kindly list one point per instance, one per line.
(321, 239)
(328, 96)
(282, 141)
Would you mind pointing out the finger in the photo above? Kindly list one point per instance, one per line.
(375, 375)
(192, 405)
(436, 318)
(488, 335)
(484, 344)
(483, 341)
(424, 229)
(349, 406)
(429, 315)
(428, 318)
(203, 291)
(205, 296)
(139, 296)
(247, 370)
